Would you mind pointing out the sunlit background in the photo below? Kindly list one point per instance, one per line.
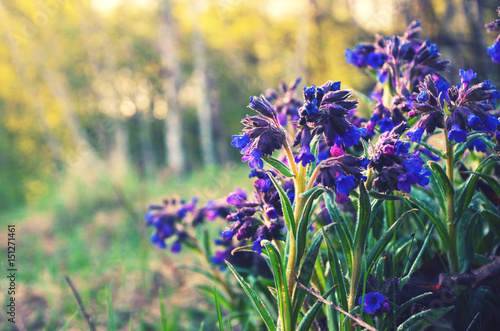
(109, 105)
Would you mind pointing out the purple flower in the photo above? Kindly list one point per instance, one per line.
(385, 124)
(237, 197)
(479, 145)
(467, 76)
(341, 173)
(344, 183)
(254, 159)
(305, 156)
(494, 51)
(457, 134)
(371, 302)
(240, 141)
(176, 247)
(325, 113)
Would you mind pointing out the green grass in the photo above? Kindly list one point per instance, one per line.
(95, 234)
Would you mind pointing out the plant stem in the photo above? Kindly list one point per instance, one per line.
(450, 206)
(299, 207)
(356, 271)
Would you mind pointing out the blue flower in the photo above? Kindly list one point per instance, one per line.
(311, 107)
(227, 234)
(433, 49)
(474, 120)
(494, 51)
(457, 134)
(385, 124)
(422, 97)
(491, 123)
(371, 302)
(256, 246)
(237, 197)
(305, 156)
(254, 159)
(467, 76)
(353, 57)
(479, 145)
(375, 60)
(264, 184)
(176, 247)
(344, 183)
(415, 134)
(240, 141)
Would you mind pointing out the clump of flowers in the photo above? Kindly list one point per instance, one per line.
(173, 220)
(395, 168)
(462, 109)
(399, 63)
(494, 50)
(285, 102)
(261, 218)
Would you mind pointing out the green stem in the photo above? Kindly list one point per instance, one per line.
(450, 206)
(390, 208)
(356, 271)
(299, 207)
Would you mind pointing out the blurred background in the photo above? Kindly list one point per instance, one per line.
(107, 106)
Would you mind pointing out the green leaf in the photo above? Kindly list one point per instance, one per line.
(311, 314)
(390, 317)
(417, 259)
(336, 269)
(254, 297)
(364, 212)
(281, 284)
(306, 270)
(434, 150)
(492, 181)
(219, 314)
(461, 147)
(438, 190)
(162, 311)
(493, 220)
(380, 196)
(443, 180)
(111, 312)
(278, 165)
(68, 322)
(465, 240)
(287, 207)
(305, 220)
(384, 240)
(423, 319)
(438, 223)
(470, 185)
(342, 229)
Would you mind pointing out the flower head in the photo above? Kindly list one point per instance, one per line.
(371, 302)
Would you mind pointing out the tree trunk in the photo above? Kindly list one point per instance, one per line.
(171, 81)
(203, 106)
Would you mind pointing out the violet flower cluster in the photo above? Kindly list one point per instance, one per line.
(261, 218)
(494, 50)
(399, 63)
(462, 108)
(395, 168)
(172, 221)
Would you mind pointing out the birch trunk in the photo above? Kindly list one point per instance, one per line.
(203, 106)
(171, 82)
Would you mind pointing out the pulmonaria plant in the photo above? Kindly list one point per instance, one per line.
(494, 50)
(399, 63)
(395, 168)
(461, 109)
(261, 218)
(262, 134)
(284, 101)
(174, 220)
